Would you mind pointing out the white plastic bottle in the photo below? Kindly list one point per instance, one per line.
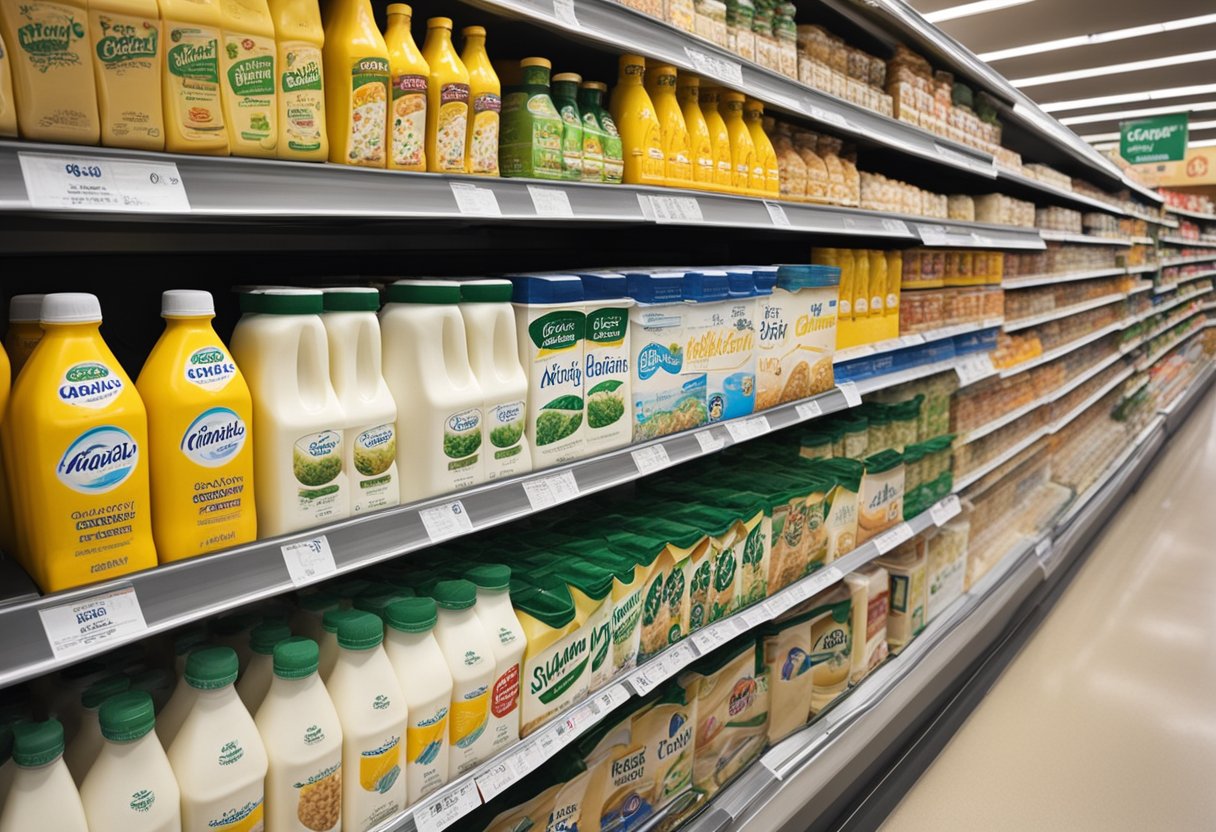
(328, 645)
(370, 441)
(469, 652)
(427, 684)
(303, 740)
(489, 323)
(255, 680)
(498, 619)
(218, 756)
(281, 347)
(181, 701)
(372, 710)
(426, 364)
(310, 610)
(131, 787)
(83, 749)
(43, 795)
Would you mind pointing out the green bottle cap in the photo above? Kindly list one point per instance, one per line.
(361, 631)
(296, 658)
(211, 668)
(491, 576)
(266, 635)
(37, 743)
(411, 615)
(127, 716)
(455, 595)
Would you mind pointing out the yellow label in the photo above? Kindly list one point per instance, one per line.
(409, 121)
(249, 91)
(469, 718)
(302, 106)
(247, 818)
(483, 144)
(378, 769)
(424, 740)
(369, 113)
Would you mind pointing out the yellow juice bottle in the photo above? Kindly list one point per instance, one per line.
(82, 459)
(300, 81)
(673, 132)
(766, 156)
(878, 284)
(700, 145)
(408, 77)
(895, 273)
(861, 284)
(190, 84)
(127, 42)
(199, 417)
(356, 85)
(719, 137)
(848, 270)
(52, 71)
(634, 115)
(742, 151)
(248, 83)
(447, 100)
(8, 105)
(485, 104)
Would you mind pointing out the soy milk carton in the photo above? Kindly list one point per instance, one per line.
(606, 363)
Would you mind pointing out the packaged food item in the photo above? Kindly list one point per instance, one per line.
(673, 132)
(469, 652)
(126, 43)
(945, 567)
(485, 104)
(636, 120)
(880, 502)
(558, 650)
(409, 80)
(248, 84)
(498, 619)
(607, 371)
(628, 586)
(720, 333)
(42, 794)
(193, 113)
(255, 681)
(590, 587)
(589, 152)
(74, 434)
(299, 81)
(8, 108)
(700, 143)
(870, 587)
(787, 660)
(618, 794)
(218, 757)
(797, 335)
(426, 362)
(87, 741)
(303, 738)
(668, 728)
(447, 105)
(906, 615)
(199, 422)
(282, 349)
(841, 506)
(551, 327)
(791, 168)
(719, 138)
(599, 126)
(130, 786)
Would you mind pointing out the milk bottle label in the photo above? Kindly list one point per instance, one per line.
(316, 465)
(210, 368)
(89, 384)
(99, 460)
(215, 437)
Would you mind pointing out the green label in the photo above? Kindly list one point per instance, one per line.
(44, 37)
(560, 330)
(369, 71)
(607, 326)
(559, 673)
(142, 800)
(87, 372)
(307, 76)
(122, 42)
(252, 76)
(1161, 139)
(197, 61)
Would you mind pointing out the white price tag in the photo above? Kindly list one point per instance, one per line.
(529, 758)
(943, 510)
(447, 520)
(667, 209)
(755, 616)
(550, 202)
(563, 10)
(820, 114)
(544, 492)
(820, 581)
(723, 69)
(777, 214)
(679, 657)
(92, 183)
(710, 441)
(894, 227)
(471, 199)
(973, 368)
(612, 698)
(90, 624)
(646, 679)
(651, 459)
(888, 540)
(309, 561)
(852, 396)
(1042, 549)
(809, 410)
(497, 779)
(708, 639)
(934, 235)
(441, 811)
(741, 430)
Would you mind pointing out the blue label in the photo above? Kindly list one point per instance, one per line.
(99, 460)
(215, 437)
(655, 357)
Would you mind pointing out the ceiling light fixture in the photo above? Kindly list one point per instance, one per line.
(969, 9)
(1115, 69)
(1127, 98)
(1203, 143)
(1124, 115)
(1099, 37)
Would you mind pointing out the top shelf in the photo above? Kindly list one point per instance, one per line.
(1195, 215)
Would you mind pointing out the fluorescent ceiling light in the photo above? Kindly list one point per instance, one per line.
(1128, 98)
(1105, 137)
(1100, 37)
(1115, 69)
(969, 9)
(1124, 115)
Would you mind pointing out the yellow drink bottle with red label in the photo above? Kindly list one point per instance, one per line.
(447, 102)
(661, 87)
(200, 418)
(485, 104)
(409, 74)
(636, 121)
(79, 436)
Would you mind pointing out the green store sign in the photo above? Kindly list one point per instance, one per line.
(1161, 139)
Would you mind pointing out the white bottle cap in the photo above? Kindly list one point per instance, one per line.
(24, 309)
(186, 303)
(70, 308)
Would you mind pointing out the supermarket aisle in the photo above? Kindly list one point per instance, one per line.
(1107, 718)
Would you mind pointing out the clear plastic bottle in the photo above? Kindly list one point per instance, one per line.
(485, 104)
(42, 795)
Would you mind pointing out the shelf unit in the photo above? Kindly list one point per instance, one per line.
(1028, 281)
(1194, 215)
(1185, 243)
(1063, 349)
(1146, 268)
(1063, 312)
(1085, 239)
(913, 339)
(1186, 261)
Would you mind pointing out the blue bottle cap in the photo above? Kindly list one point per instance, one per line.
(655, 287)
(548, 288)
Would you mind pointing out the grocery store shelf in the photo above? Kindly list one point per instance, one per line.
(1186, 261)
(1176, 411)
(1064, 277)
(1185, 243)
(912, 340)
(882, 382)
(1144, 268)
(1138, 288)
(1063, 312)
(184, 591)
(1065, 349)
(1155, 356)
(961, 482)
(1194, 215)
(960, 234)
(1088, 239)
(1059, 194)
(1097, 396)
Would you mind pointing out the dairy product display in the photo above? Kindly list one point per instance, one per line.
(498, 620)
(87, 740)
(469, 652)
(259, 673)
(42, 794)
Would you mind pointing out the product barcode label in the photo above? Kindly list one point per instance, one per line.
(942, 511)
(550, 202)
(93, 624)
(743, 429)
(91, 183)
(651, 459)
(710, 440)
(440, 812)
(809, 410)
(474, 200)
(723, 69)
(309, 561)
(544, 492)
(448, 520)
(777, 214)
(848, 389)
(666, 209)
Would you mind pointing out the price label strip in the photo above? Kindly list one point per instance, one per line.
(973, 368)
(563, 10)
(82, 627)
(89, 183)
(471, 199)
(549, 491)
(550, 202)
(709, 441)
(672, 209)
(776, 213)
(309, 561)
(651, 459)
(723, 69)
(741, 430)
(808, 410)
(445, 521)
(944, 510)
(448, 807)
(820, 114)
(852, 396)
(888, 540)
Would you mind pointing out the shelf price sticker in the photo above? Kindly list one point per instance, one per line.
(820, 114)
(309, 561)
(723, 69)
(498, 778)
(91, 183)
(852, 396)
(1042, 549)
(669, 209)
(544, 492)
(741, 430)
(777, 214)
(478, 201)
(441, 811)
(888, 540)
(563, 10)
(709, 639)
(973, 368)
(809, 410)
(550, 202)
(756, 615)
(943, 510)
(651, 459)
(709, 440)
(448, 520)
(91, 624)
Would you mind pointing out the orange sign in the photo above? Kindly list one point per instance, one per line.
(1198, 168)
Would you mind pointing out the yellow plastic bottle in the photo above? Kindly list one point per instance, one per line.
(199, 431)
(878, 284)
(300, 81)
(447, 100)
(408, 77)
(82, 457)
(190, 85)
(895, 274)
(127, 42)
(356, 85)
(848, 271)
(8, 105)
(700, 145)
(742, 151)
(248, 83)
(661, 87)
(485, 104)
(861, 284)
(719, 136)
(641, 136)
(766, 156)
(52, 71)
